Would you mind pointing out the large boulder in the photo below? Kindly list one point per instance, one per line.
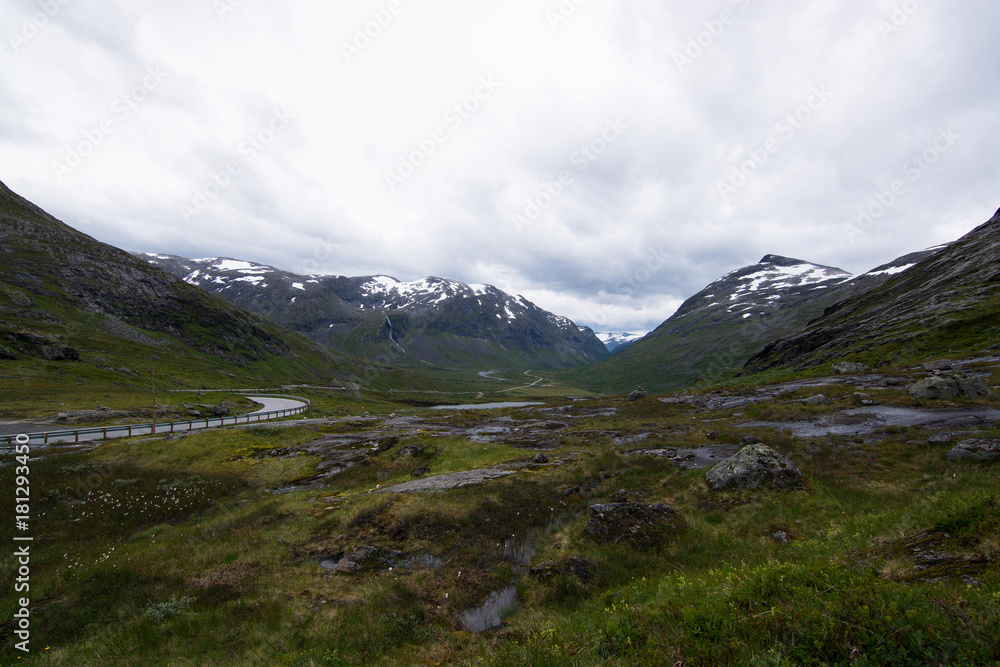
(935, 388)
(634, 523)
(755, 466)
(850, 368)
(977, 449)
(942, 387)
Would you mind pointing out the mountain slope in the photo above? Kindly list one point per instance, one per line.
(946, 303)
(66, 296)
(714, 332)
(433, 320)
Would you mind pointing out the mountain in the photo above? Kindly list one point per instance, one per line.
(66, 297)
(944, 303)
(434, 320)
(715, 331)
(618, 341)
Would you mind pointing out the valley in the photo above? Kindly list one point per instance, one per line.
(809, 470)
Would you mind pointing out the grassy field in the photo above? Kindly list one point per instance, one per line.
(177, 551)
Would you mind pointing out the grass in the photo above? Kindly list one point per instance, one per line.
(175, 551)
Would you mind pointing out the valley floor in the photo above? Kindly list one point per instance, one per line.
(374, 532)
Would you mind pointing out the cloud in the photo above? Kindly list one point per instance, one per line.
(606, 162)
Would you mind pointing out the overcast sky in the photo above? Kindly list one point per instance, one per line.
(604, 159)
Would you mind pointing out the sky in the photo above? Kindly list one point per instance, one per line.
(604, 159)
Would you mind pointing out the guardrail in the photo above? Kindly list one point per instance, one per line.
(129, 430)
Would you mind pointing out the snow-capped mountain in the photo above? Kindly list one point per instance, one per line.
(432, 320)
(715, 331)
(618, 341)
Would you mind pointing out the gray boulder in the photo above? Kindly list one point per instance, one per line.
(634, 523)
(850, 367)
(638, 394)
(977, 449)
(935, 388)
(974, 388)
(755, 466)
(818, 399)
(941, 365)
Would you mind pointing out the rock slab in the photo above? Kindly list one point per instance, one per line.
(976, 449)
(755, 466)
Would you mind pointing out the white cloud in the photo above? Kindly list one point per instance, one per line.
(313, 196)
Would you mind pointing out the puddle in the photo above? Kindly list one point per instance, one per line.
(487, 406)
(487, 615)
(863, 421)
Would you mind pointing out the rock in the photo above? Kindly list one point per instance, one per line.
(366, 559)
(749, 440)
(571, 490)
(941, 365)
(540, 458)
(818, 399)
(935, 388)
(755, 466)
(894, 382)
(420, 472)
(861, 398)
(971, 387)
(411, 450)
(7, 353)
(850, 367)
(619, 496)
(947, 437)
(638, 394)
(779, 536)
(634, 523)
(978, 449)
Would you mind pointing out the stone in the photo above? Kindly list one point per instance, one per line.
(634, 523)
(366, 559)
(779, 536)
(638, 394)
(935, 388)
(850, 367)
(818, 399)
(571, 491)
(894, 382)
(946, 437)
(755, 466)
(977, 449)
(972, 387)
(619, 496)
(749, 440)
(861, 398)
(540, 458)
(420, 472)
(940, 365)
(411, 450)
(581, 568)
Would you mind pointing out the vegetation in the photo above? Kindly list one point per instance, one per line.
(175, 551)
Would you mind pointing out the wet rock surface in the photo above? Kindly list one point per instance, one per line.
(755, 466)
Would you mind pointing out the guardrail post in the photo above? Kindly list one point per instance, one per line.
(130, 430)
(45, 440)
(77, 434)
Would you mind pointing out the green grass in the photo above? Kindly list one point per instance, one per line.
(174, 551)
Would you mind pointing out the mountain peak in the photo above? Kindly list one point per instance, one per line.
(779, 260)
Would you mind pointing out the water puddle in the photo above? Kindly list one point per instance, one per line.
(487, 406)
(488, 615)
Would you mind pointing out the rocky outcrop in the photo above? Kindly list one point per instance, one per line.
(755, 466)
(633, 523)
(976, 449)
(941, 387)
(850, 368)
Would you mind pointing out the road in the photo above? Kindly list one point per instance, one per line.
(271, 408)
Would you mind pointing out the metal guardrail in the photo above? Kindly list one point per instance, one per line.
(129, 430)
